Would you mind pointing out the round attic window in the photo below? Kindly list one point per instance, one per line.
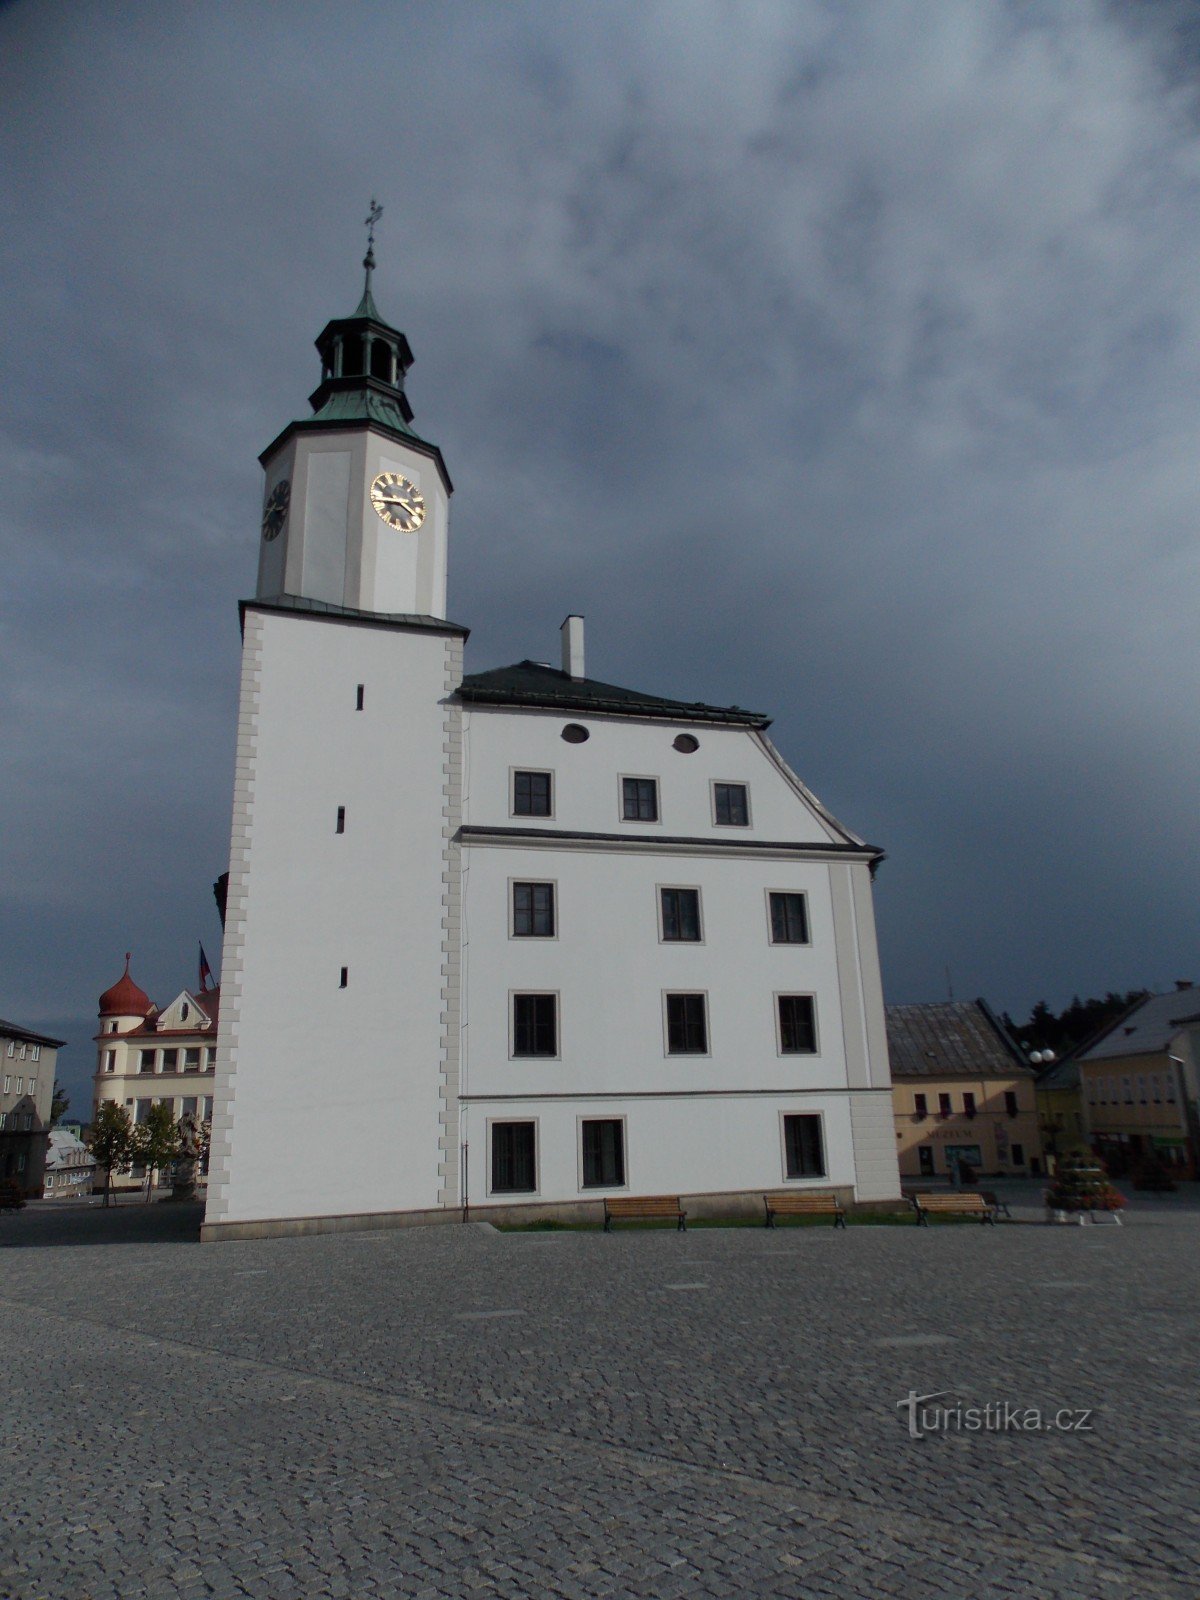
(575, 733)
(686, 743)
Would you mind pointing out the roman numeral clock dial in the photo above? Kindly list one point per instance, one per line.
(398, 502)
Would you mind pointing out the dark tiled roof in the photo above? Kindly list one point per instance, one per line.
(1147, 1029)
(530, 683)
(13, 1030)
(950, 1037)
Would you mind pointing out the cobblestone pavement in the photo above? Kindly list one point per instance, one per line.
(453, 1412)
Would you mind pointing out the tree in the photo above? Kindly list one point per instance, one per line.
(59, 1104)
(156, 1140)
(110, 1139)
(1074, 1025)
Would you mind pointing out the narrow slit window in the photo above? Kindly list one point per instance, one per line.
(358, 702)
(344, 980)
(341, 819)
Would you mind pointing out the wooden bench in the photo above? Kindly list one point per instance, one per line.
(1000, 1207)
(656, 1207)
(968, 1204)
(804, 1205)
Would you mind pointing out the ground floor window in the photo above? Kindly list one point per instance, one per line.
(925, 1156)
(514, 1167)
(604, 1154)
(804, 1150)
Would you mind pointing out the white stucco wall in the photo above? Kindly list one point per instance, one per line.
(306, 1070)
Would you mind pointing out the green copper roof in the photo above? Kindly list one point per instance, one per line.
(366, 307)
(364, 405)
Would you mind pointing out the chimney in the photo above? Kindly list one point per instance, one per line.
(572, 646)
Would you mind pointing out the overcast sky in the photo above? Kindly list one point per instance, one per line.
(841, 361)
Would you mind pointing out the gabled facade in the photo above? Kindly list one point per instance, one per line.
(551, 937)
(964, 1094)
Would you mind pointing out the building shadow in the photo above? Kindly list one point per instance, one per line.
(45, 1224)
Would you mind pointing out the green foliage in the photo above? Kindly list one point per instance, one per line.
(1061, 1032)
(156, 1140)
(59, 1104)
(110, 1139)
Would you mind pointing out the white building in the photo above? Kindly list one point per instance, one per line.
(147, 1055)
(540, 938)
(70, 1166)
(27, 1062)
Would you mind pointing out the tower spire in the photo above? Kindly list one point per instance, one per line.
(366, 306)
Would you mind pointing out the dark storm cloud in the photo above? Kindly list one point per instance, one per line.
(837, 361)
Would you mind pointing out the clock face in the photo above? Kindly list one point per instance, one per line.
(398, 502)
(276, 509)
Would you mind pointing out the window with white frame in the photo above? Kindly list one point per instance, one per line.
(533, 910)
(210, 1058)
(603, 1152)
(514, 1158)
(687, 1024)
(680, 916)
(803, 1146)
(170, 1061)
(639, 799)
(533, 794)
(36, 1053)
(731, 805)
(789, 917)
(797, 1024)
(535, 1025)
(191, 1059)
(146, 1061)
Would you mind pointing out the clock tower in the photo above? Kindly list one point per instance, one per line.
(355, 503)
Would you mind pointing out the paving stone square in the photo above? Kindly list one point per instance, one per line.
(457, 1412)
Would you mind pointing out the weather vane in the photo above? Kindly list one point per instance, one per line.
(373, 216)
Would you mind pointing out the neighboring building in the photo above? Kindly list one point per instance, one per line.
(1138, 1082)
(963, 1093)
(27, 1062)
(70, 1168)
(145, 1056)
(1060, 1109)
(539, 937)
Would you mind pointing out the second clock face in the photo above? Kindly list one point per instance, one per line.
(398, 502)
(276, 509)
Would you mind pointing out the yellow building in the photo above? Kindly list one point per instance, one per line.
(1060, 1111)
(962, 1092)
(1137, 1086)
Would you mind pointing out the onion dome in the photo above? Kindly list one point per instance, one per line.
(125, 999)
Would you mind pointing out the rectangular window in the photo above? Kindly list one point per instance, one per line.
(531, 794)
(31, 1086)
(804, 1151)
(190, 1106)
(1010, 1103)
(921, 1105)
(344, 978)
(170, 1060)
(21, 1051)
(210, 1059)
(37, 1052)
(1018, 1155)
(639, 799)
(603, 1154)
(943, 1105)
(340, 825)
(680, 915)
(533, 910)
(1127, 1086)
(1156, 1087)
(731, 808)
(208, 1108)
(12, 1047)
(191, 1060)
(513, 1162)
(143, 1110)
(789, 919)
(8, 1083)
(359, 697)
(797, 1025)
(1142, 1087)
(1170, 1076)
(20, 1084)
(969, 1104)
(535, 1025)
(687, 1025)
(146, 1061)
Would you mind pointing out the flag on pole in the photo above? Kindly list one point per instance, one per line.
(206, 977)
